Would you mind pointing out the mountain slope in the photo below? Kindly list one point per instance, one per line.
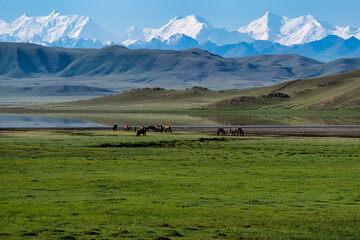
(327, 49)
(339, 91)
(119, 68)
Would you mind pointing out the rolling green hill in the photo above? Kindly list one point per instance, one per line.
(339, 91)
(146, 99)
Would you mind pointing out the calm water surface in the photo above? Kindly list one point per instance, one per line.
(84, 120)
(27, 121)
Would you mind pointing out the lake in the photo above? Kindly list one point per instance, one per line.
(69, 120)
(20, 121)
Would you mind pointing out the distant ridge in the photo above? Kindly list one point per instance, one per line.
(119, 68)
(327, 49)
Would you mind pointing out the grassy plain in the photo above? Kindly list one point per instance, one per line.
(58, 184)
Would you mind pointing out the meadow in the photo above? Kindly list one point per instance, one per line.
(61, 184)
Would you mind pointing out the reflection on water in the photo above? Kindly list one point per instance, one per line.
(133, 119)
(27, 121)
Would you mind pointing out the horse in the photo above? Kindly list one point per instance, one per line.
(127, 128)
(168, 129)
(236, 131)
(241, 132)
(142, 131)
(115, 127)
(152, 128)
(220, 131)
(159, 128)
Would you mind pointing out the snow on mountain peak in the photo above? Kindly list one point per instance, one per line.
(264, 28)
(54, 12)
(288, 31)
(191, 26)
(52, 28)
(63, 29)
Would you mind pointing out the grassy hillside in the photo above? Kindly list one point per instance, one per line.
(339, 91)
(331, 92)
(144, 99)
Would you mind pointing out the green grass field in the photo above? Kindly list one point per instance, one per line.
(58, 184)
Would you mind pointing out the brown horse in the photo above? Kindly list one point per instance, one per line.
(168, 129)
(127, 128)
(159, 128)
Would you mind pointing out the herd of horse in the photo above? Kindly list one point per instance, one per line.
(158, 128)
(143, 129)
(232, 131)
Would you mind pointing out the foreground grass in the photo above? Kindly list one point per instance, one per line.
(105, 185)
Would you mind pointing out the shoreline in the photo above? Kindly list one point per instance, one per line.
(352, 131)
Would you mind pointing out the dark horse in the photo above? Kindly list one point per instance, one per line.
(237, 131)
(151, 128)
(220, 131)
(115, 127)
(142, 131)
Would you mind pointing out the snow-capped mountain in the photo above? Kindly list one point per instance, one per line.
(52, 28)
(192, 26)
(67, 42)
(179, 33)
(347, 32)
(327, 49)
(175, 42)
(290, 31)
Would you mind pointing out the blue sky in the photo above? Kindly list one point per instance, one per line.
(118, 15)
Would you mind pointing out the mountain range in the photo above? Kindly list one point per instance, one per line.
(118, 68)
(327, 49)
(270, 34)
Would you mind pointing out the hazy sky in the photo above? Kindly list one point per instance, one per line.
(118, 15)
